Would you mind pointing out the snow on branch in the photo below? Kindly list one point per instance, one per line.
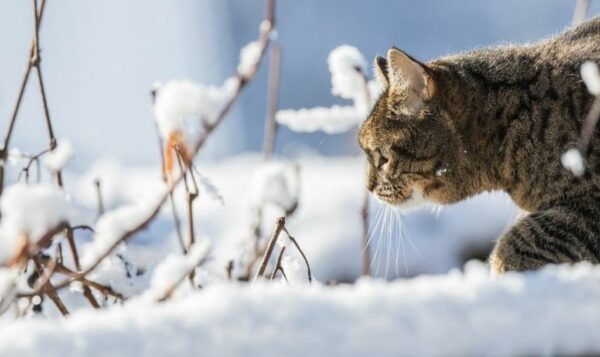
(31, 216)
(174, 269)
(114, 225)
(276, 183)
(348, 81)
(145, 214)
(57, 159)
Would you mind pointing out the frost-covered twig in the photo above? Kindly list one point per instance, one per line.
(278, 266)
(33, 158)
(49, 290)
(36, 62)
(173, 270)
(280, 225)
(86, 290)
(266, 28)
(574, 159)
(348, 73)
(271, 125)
(38, 14)
(106, 290)
(293, 240)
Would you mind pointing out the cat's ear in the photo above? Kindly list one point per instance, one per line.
(405, 74)
(381, 70)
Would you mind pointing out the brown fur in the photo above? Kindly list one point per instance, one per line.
(494, 119)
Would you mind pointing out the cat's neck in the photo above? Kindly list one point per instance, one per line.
(474, 119)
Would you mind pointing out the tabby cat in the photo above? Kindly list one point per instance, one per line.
(493, 119)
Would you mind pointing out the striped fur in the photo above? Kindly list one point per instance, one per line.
(494, 119)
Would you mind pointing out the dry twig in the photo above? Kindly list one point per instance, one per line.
(272, 101)
(264, 39)
(280, 225)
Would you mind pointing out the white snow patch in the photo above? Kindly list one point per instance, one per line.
(175, 267)
(113, 225)
(591, 77)
(249, 57)
(276, 183)
(333, 120)
(347, 66)
(573, 160)
(185, 107)
(458, 314)
(348, 79)
(33, 210)
(58, 158)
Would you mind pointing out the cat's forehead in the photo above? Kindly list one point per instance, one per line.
(374, 134)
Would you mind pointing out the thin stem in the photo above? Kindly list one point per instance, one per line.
(49, 290)
(271, 125)
(278, 265)
(280, 225)
(263, 40)
(293, 240)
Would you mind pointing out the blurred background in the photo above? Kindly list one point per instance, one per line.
(101, 57)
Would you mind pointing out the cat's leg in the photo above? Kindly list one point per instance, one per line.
(559, 235)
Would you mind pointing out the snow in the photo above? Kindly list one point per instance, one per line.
(31, 211)
(175, 267)
(187, 108)
(348, 80)
(249, 57)
(113, 225)
(58, 158)
(208, 188)
(591, 77)
(333, 120)
(460, 313)
(573, 160)
(276, 183)
(347, 66)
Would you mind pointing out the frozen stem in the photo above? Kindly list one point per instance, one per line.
(279, 267)
(293, 240)
(271, 125)
(280, 225)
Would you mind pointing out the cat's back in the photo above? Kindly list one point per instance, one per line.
(564, 52)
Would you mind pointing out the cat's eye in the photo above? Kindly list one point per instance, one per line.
(379, 160)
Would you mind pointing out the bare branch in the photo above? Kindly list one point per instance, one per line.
(271, 125)
(278, 266)
(280, 225)
(49, 290)
(263, 40)
(293, 240)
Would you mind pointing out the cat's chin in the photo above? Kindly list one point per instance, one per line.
(414, 202)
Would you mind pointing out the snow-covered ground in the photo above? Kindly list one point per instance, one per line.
(459, 312)
(554, 311)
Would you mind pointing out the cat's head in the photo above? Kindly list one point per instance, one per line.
(408, 137)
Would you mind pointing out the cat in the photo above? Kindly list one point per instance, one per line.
(493, 119)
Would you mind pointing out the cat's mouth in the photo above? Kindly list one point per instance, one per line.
(415, 199)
